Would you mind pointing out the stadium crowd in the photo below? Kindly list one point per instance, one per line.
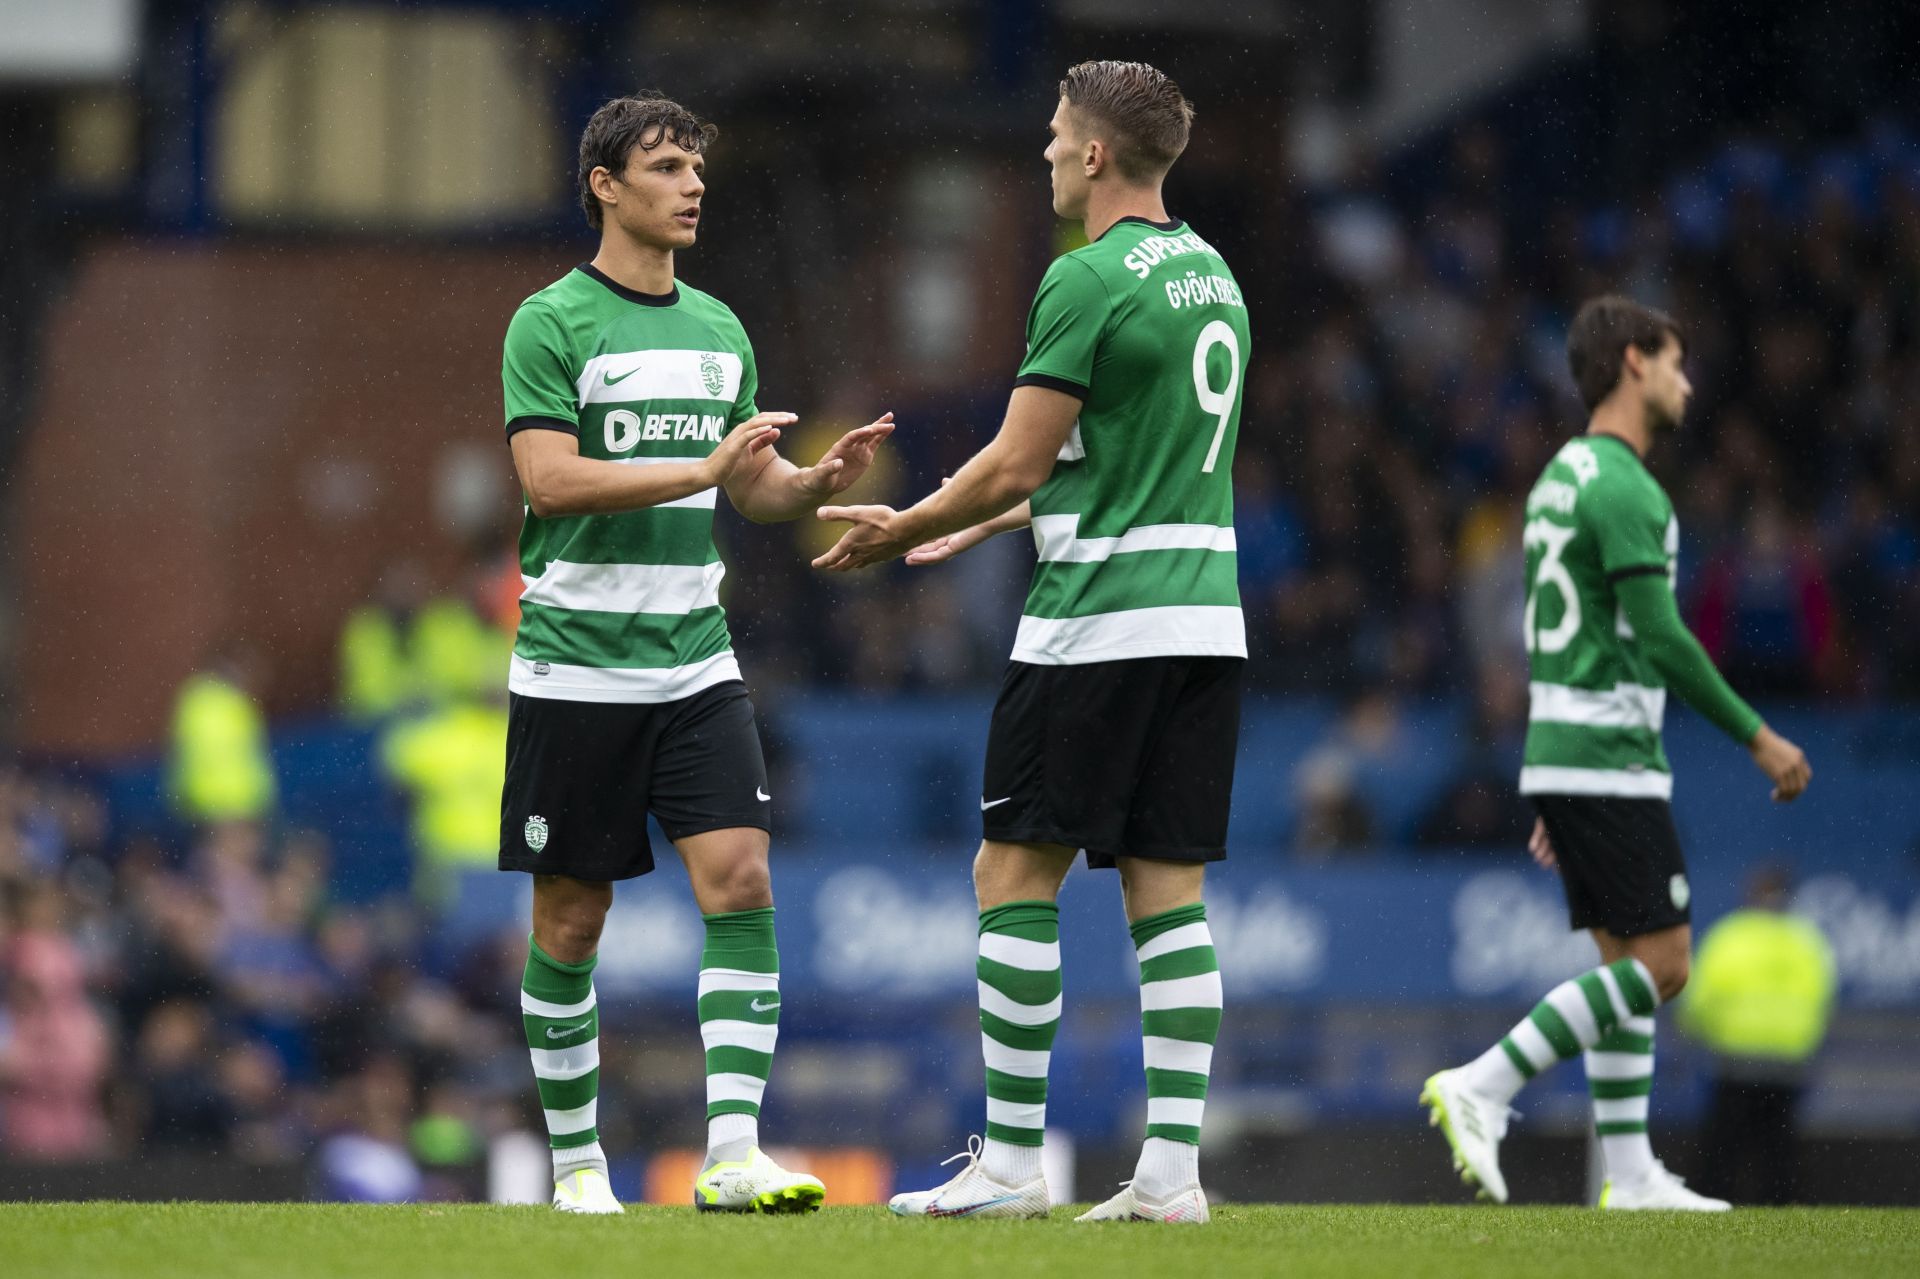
(1408, 386)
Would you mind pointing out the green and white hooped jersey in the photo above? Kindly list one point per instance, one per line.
(1134, 528)
(625, 607)
(1594, 518)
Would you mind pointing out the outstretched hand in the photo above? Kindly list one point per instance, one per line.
(744, 444)
(871, 540)
(841, 466)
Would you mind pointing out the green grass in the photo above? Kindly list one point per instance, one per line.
(202, 1241)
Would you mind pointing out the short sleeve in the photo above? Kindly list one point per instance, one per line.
(535, 378)
(744, 404)
(1064, 328)
(1628, 525)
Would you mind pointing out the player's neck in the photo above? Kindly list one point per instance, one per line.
(1106, 205)
(631, 264)
(1625, 421)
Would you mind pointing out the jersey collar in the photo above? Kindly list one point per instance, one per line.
(1621, 441)
(1171, 224)
(618, 289)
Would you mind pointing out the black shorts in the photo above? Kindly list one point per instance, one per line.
(582, 777)
(1122, 759)
(1620, 862)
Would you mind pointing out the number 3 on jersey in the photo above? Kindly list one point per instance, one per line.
(1552, 540)
(1218, 403)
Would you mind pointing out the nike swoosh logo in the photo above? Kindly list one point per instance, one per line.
(610, 379)
(933, 1210)
(984, 805)
(759, 1007)
(561, 1032)
(760, 794)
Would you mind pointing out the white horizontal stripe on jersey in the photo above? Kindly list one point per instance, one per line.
(1622, 706)
(541, 1008)
(1623, 783)
(626, 588)
(1018, 952)
(620, 683)
(1186, 937)
(1179, 630)
(1057, 539)
(561, 1123)
(1202, 990)
(704, 500)
(659, 375)
(566, 1063)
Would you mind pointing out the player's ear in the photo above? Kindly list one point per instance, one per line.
(601, 182)
(1093, 157)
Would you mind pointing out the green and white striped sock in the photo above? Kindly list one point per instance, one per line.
(739, 1022)
(1620, 1077)
(562, 1021)
(1575, 1015)
(1180, 1004)
(1019, 984)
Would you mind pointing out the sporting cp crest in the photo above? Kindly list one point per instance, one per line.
(1678, 890)
(712, 374)
(536, 833)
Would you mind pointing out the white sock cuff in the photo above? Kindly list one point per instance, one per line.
(722, 1129)
(572, 1157)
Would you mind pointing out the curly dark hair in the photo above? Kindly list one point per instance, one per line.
(643, 120)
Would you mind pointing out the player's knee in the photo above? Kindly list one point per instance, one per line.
(744, 884)
(571, 936)
(1670, 975)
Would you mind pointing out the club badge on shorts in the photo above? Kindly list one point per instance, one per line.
(536, 833)
(1676, 889)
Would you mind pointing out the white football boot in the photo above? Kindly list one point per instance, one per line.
(1473, 1125)
(585, 1191)
(756, 1184)
(1185, 1206)
(972, 1193)
(1657, 1189)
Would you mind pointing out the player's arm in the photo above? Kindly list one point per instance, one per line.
(769, 488)
(1647, 600)
(994, 482)
(558, 481)
(945, 548)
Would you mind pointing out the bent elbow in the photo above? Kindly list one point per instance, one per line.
(542, 502)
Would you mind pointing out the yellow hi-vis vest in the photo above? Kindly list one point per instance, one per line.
(222, 770)
(1762, 986)
(444, 653)
(454, 763)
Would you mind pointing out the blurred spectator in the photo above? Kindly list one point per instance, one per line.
(1762, 989)
(222, 770)
(1764, 610)
(407, 651)
(55, 1053)
(452, 762)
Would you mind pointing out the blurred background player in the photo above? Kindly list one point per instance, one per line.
(1760, 998)
(1605, 643)
(1119, 716)
(629, 404)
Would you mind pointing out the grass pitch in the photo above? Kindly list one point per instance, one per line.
(203, 1241)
